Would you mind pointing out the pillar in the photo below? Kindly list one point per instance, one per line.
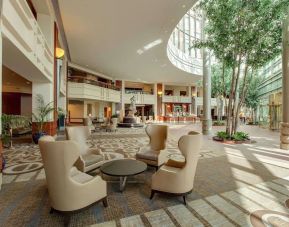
(284, 137)
(207, 118)
(113, 108)
(155, 106)
(122, 94)
(47, 92)
(190, 95)
(194, 106)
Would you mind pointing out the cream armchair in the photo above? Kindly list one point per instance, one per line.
(154, 153)
(179, 181)
(90, 158)
(113, 125)
(88, 122)
(68, 188)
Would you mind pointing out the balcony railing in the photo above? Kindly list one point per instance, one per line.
(78, 79)
(138, 92)
(140, 99)
(20, 26)
(176, 99)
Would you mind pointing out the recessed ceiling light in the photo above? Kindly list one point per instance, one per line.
(86, 65)
(184, 6)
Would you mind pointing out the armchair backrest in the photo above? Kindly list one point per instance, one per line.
(114, 123)
(87, 121)
(158, 135)
(79, 134)
(190, 146)
(58, 159)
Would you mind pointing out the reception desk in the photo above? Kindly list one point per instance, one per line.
(178, 119)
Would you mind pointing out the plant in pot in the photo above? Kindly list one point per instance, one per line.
(6, 130)
(40, 116)
(61, 117)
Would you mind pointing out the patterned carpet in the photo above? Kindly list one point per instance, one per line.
(227, 190)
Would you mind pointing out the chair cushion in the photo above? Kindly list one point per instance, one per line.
(90, 159)
(79, 177)
(177, 161)
(148, 155)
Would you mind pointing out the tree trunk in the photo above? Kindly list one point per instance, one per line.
(242, 98)
(224, 89)
(235, 91)
(229, 110)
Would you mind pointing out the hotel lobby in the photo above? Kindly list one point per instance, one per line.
(144, 113)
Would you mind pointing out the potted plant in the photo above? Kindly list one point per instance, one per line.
(61, 118)
(40, 116)
(6, 130)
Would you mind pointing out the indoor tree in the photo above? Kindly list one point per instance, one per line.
(252, 99)
(220, 86)
(243, 35)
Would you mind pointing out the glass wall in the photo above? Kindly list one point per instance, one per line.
(179, 48)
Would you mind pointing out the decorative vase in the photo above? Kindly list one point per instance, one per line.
(36, 136)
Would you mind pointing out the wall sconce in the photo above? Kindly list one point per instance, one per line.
(160, 93)
(59, 53)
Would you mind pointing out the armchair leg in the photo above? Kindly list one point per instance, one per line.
(104, 202)
(66, 219)
(51, 210)
(184, 198)
(152, 194)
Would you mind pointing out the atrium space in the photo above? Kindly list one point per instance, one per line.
(144, 113)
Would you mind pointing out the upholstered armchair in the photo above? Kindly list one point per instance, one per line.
(90, 158)
(179, 181)
(68, 188)
(113, 125)
(88, 122)
(154, 154)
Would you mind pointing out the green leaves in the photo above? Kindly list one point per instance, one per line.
(42, 112)
(250, 29)
(221, 79)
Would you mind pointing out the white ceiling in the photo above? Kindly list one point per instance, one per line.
(108, 36)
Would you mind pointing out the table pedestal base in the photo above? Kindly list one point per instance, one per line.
(122, 181)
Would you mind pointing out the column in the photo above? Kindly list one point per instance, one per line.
(156, 105)
(284, 137)
(207, 118)
(122, 97)
(120, 107)
(113, 108)
(190, 95)
(195, 107)
(47, 92)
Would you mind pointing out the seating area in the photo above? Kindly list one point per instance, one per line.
(144, 113)
(226, 177)
(67, 165)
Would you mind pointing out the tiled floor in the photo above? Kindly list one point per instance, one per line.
(231, 183)
(232, 208)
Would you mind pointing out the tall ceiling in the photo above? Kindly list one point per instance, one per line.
(125, 39)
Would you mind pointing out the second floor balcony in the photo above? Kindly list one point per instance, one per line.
(82, 88)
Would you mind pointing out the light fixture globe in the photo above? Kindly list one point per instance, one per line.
(59, 53)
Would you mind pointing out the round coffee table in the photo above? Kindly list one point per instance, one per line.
(123, 168)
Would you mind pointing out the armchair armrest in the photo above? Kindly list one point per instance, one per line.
(94, 150)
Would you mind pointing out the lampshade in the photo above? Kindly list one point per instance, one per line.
(59, 52)
(160, 92)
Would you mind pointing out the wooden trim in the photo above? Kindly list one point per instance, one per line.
(32, 8)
